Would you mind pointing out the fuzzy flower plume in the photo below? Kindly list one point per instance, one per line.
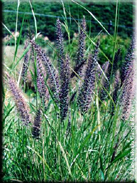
(128, 61)
(36, 125)
(60, 46)
(50, 70)
(87, 89)
(86, 92)
(64, 90)
(127, 96)
(42, 89)
(80, 61)
(19, 100)
(25, 63)
(128, 83)
(64, 70)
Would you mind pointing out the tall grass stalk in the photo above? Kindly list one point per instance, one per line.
(18, 4)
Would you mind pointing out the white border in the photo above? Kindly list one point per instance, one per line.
(135, 69)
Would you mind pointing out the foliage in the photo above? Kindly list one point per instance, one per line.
(69, 133)
(46, 25)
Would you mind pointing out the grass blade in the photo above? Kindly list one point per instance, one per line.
(65, 157)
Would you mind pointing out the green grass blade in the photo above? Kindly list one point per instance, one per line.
(65, 157)
(35, 21)
(43, 160)
(9, 111)
(8, 30)
(121, 155)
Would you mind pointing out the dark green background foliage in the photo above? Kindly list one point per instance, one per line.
(46, 25)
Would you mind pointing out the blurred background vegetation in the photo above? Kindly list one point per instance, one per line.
(47, 13)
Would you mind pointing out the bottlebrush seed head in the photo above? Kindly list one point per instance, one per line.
(127, 78)
(36, 124)
(81, 47)
(64, 89)
(50, 70)
(128, 64)
(86, 91)
(60, 38)
(19, 101)
(60, 46)
(25, 63)
(128, 86)
(127, 96)
(42, 89)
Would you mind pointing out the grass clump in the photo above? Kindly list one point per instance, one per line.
(71, 132)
